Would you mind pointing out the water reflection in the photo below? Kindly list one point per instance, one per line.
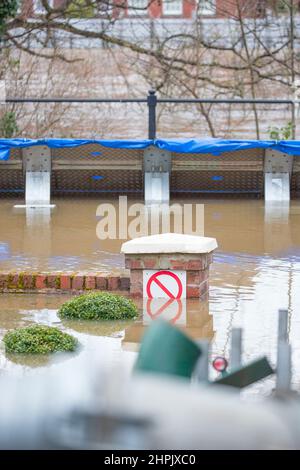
(4, 251)
(190, 315)
(171, 310)
(66, 237)
(277, 230)
(114, 329)
(38, 360)
(101, 340)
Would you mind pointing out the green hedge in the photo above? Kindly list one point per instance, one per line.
(38, 339)
(98, 306)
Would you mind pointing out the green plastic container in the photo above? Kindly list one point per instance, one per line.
(166, 350)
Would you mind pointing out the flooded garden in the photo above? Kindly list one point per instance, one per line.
(255, 271)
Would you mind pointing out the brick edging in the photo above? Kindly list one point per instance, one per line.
(62, 282)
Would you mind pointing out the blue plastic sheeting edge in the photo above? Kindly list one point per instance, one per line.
(211, 146)
(7, 144)
(219, 146)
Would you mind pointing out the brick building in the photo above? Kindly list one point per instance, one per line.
(186, 9)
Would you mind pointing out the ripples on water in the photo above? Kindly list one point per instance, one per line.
(256, 270)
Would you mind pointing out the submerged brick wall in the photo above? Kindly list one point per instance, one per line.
(61, 282)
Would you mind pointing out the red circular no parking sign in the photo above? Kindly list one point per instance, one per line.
(168, 282)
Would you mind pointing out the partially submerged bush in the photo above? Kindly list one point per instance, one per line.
(38, 339)
(98, 306)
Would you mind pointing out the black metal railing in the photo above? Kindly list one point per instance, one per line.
(152, 101)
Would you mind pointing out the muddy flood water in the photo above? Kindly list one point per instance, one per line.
(256, 271)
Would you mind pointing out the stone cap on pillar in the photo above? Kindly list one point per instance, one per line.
(169, 243)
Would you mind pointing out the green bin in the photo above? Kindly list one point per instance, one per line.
(167, 350)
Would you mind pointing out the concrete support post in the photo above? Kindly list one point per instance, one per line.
(278, 170)
(157, 169)
(37, 169)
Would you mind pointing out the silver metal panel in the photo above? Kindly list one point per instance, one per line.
(278, 162)
(37, 167)
(37, 188)
(37, 158)
(278, 170)
(156, 160)
(157, 187)
(277, 187)
(157, 168)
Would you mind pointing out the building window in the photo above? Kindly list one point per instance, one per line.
(137, 7)
(207, 7)
(172, 7)
(38, 6)
(104, 8)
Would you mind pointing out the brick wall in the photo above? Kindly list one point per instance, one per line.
(224, 8)
(195, 265)
(248, 8)
(59, 282)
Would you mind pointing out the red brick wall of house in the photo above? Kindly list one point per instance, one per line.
(155, 9)
(188, 8)
(225, 8)
(248, 8)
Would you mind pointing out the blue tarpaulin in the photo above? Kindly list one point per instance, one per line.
(219, 146)
(7, 144)
(212, 146)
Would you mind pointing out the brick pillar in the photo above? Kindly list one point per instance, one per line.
(196, 264)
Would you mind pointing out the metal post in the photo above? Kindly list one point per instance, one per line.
(236, 348)
(151, 102)
(284, 368)
(282, 325)
(202, 367)
(293, 73)
(293, 120)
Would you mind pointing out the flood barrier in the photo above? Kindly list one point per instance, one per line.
(151, 169)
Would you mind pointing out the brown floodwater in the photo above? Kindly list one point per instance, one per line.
(256, 271)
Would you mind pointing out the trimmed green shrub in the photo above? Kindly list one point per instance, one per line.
(98, 306)
(38, 339)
